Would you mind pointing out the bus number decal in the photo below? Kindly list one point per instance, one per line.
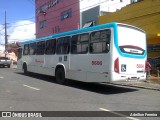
(39, 61)
(140, 66)
(96, 62)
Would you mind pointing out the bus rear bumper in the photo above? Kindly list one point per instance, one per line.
(128, 78)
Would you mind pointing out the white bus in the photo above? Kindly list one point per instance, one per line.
(110, 52)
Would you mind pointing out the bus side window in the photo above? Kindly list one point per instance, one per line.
(40, 48)
(50, 47)
(95, 45)
(32, 48)
(100, 41)
(105, 37)
(63, 45)
(79, 44)
(59, 45)
(66, 45)
(19, 54)
(26, 49)
(74, 41)
(84, 43)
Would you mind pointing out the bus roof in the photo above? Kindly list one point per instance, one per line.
(83, 30)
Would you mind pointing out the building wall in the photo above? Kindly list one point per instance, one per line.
(90, 15)
(55, 16)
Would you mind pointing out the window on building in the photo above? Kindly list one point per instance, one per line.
(40, 48)
(32, 48)
(50, 47)
(26, 49)
(100, 41)
(79, 44)
(56, 29)
(63, 45)
(42, 24)
(66, 14)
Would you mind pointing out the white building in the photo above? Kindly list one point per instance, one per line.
(105, 5)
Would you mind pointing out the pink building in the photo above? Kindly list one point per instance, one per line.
(55, 16)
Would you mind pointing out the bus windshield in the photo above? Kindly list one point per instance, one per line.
(131, 40)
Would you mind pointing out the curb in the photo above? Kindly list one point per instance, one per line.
(144, 85)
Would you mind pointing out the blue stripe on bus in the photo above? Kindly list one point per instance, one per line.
(103, 26)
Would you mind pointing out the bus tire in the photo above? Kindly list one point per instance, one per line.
(25, 69)
(60, 75)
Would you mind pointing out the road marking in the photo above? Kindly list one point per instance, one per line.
(116, 113)
(1, 77)
(31, 87)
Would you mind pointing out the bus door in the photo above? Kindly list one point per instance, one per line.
(62, 51)
(50, 57)
(25, 58)
(19, 57)
(79, 57)
(39, 58)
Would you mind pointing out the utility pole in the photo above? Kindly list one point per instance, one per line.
(6, 39)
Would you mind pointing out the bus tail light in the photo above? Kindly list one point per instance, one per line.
(116, 65)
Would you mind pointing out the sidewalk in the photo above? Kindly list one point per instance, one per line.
(153, 83)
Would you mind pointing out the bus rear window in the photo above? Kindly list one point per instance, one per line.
(132, 49)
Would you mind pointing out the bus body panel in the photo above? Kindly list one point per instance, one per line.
(99, 67)
(129, 48)
(90, 68)
(31, 64)
(49, 66)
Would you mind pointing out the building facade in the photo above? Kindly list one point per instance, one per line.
(55, 16)
(90, 17)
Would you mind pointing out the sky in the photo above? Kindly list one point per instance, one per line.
(20, 17)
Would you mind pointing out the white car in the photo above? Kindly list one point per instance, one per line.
(4, 61)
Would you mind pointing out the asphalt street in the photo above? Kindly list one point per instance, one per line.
(35, 92)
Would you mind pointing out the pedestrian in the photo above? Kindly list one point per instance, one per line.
(148, 68)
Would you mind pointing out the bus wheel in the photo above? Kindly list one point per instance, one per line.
(60, 76)
(25, 69)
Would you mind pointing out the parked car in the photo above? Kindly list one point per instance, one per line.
(4, 61)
